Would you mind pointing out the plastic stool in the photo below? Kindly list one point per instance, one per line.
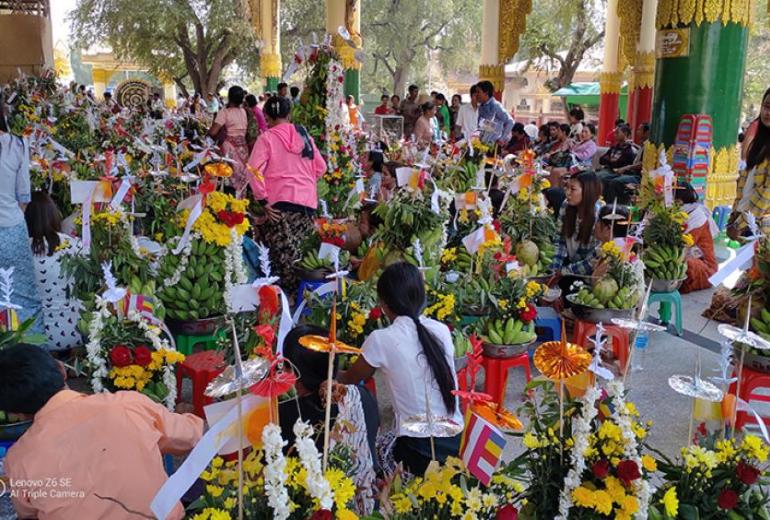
(185, 344)
(550, 322)
(721, 215)
(751, 380)
(666, 300)
(619, 336)
(201, 368)
(496, 374)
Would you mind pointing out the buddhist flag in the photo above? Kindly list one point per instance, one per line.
(482, 447)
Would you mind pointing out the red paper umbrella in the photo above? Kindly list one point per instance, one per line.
(276, 383)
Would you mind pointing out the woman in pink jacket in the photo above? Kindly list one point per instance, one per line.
(286, 166)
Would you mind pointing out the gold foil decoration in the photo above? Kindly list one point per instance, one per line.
(560, 360)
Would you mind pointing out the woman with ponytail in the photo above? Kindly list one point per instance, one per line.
(415, 356)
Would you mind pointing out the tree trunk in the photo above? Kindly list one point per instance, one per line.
(399, 79)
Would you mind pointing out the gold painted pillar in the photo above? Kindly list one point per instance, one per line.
(169, 93)
(611, 77)
(347, 14)
(100, 77)
(642, 80)
(266, 18)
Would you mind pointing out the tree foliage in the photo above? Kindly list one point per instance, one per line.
(757, 78)
(397, 36)
(188, 40)
(562, 32)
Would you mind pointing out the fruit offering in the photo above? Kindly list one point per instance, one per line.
(602, 296)
(509, 332)
(198, 294)
(761, 324)
(665, 263)
(312, 262)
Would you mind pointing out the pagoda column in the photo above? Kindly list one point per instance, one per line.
(347, 14)
(99, 78)
(490, 69)
(610, 78)
(644, 69)
(268, 27)
(699, 70)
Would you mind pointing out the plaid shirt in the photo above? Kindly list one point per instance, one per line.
(582, 262)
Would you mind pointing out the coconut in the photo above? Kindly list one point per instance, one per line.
(605, 289)
(527, 252)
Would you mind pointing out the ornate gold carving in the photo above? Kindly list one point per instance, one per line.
(644, 70)
(511, 24)
(270, 65)
(722, 176)
(630, 15)
(673, 12)
(493, 73)
(255, 15)
(346, 52)
(610, 82)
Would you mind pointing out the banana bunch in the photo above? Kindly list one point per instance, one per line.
(585, 297)
(545, 258)
(462, 345)
(463, 260)
(311, 262)
(626, 298)
(509, 332)
(530, 270)
(664, 263)
(198, 294)
(761, 325)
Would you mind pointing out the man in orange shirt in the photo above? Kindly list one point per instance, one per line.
(85, 456)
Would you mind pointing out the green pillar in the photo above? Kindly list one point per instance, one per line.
(271, 84)
(702, 76)
(352, 85)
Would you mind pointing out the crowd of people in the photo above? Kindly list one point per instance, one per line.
(258, 135)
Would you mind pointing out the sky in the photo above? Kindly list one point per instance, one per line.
(60, 26)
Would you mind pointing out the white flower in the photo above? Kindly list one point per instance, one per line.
(275, 472)
(317, 485)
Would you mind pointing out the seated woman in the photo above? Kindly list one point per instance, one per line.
(701, 260)
(309, 404)
(60, 313)
(415, 357)
(389, 184)
(582, 155)
(577, 244)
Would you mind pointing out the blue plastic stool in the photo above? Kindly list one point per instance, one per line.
(307, 285)
(666, 300)
(549, 321)
(721, 215)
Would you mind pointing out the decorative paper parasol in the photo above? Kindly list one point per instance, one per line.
(695, 387)
(228, 382)
(744, 336)
(423, 425)
(639, 326)
(497, 415)
(559, 360)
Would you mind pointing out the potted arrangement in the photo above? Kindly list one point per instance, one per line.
(615, 291)
(313, 266)
(665, 247)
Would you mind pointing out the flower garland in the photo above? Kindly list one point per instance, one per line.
(184, 258)
(317, 485)
(98, 361)
(275, 472)
(577, 457)
(234, 269)
(621, 415)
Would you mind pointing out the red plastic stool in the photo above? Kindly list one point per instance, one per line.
(751, 380)
(496, 374)
(201, 368)
(620, 339)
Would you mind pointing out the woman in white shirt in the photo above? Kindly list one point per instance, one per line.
(415, 356)
(60, 313)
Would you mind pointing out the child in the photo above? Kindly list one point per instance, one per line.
(103, 451)
(415, 356)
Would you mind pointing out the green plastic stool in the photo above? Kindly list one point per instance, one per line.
(666, 300)
(186, 344)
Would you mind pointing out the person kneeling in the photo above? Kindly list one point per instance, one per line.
(85, 456)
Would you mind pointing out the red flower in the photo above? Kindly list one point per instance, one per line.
(529, 314)
(142, 355)
(120, 356)
(230, 218)
(507, 512)
(322, 514)
(747, 473)
(600, 469)
(496, 224)
(267, 333)
(727, 499)
(268, 301)
(628, 471)
(375, 313)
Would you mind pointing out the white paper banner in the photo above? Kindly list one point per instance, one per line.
(473, 241)
(243, 298)
(744, 254)
(215, 412)
(194, 214)
(117, 200)
(404, 175)
(81, 190)
(329, 252)
(87, 206)
(196, 462)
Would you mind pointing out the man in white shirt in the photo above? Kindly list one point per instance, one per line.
(468, 116)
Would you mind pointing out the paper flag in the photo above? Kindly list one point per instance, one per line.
(253, 422)
(406, 176)
(473, 241)
(79, 191)
(328, 252)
